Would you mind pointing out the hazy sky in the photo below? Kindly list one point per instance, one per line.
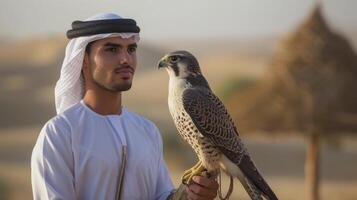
(171, 19)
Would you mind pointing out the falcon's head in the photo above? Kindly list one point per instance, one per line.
(180, 64)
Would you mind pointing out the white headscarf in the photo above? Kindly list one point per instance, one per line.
(70, 87)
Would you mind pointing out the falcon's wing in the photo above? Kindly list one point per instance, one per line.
(213, 121)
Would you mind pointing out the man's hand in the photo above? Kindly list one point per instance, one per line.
(202, 189)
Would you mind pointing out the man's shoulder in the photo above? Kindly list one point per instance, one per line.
(62, 121)
(56, 124)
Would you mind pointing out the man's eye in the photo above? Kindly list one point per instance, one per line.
(112, 49)
(132, 49)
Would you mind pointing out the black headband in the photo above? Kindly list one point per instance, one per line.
(87, 28)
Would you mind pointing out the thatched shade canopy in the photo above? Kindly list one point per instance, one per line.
(311, 85)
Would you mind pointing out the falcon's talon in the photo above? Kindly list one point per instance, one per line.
(194, 171)
(189, 171)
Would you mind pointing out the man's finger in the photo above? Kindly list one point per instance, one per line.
(206, 182)
(191, 195)
(203, 191)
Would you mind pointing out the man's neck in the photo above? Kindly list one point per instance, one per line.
(104, 102)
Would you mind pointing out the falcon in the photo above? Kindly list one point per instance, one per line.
(203, 122)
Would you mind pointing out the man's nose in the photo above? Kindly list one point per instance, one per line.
(124, 57)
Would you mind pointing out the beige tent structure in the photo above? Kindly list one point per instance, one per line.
(310, 89)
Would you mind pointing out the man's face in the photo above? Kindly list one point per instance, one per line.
(111, 63)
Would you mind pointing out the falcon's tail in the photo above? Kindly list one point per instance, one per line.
(250, 178)
(253, 182)
(252, 191)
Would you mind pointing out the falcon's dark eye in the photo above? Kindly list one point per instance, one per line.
(173, 59)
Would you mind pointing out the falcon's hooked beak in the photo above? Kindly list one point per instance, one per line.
(162, 62)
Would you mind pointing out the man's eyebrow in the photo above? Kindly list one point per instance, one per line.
(110, 44)
(133, 45)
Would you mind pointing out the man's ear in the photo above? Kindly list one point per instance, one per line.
(85, 67)
(85, 64)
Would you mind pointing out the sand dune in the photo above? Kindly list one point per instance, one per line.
(30, 68)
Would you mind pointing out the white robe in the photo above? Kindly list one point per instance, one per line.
(78, 156)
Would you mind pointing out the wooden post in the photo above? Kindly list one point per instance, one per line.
(312, 167)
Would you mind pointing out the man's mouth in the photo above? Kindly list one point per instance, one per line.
(124, 70)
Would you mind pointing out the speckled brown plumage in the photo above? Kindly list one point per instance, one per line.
(203, 121)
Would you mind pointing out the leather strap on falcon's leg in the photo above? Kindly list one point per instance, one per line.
(230, 189)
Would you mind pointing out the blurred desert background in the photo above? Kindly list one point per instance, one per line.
(234, 67)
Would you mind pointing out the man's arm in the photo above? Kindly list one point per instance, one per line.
(52, 164)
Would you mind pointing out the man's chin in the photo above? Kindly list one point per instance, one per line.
(122, 87)
(118, 87)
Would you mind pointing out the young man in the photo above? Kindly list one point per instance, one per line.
(94, 148)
